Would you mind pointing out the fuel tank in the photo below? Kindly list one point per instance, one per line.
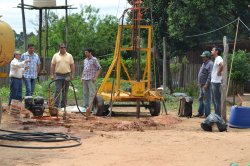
(7, 43)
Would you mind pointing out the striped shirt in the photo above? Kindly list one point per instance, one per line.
(31, 72)
(90, 67)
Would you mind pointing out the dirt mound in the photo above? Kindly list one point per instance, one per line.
(76, 122)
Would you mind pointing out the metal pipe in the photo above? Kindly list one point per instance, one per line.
(67, 23)
(24, 26)
(1, 110)
(40, 33)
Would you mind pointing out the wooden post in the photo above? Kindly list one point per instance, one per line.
(224, 80)
(231, 66)
(164, 66)
(24, 26)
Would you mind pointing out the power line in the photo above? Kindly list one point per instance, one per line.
(117, 8)
(202, 34)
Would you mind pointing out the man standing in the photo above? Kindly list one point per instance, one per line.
(204, 78)
(30, 75)
(62, 69)
(216, 79)
(91, 71)
(16, 74)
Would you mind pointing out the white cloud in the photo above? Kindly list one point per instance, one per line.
(12, 15)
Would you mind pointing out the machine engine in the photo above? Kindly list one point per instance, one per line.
(36, 106)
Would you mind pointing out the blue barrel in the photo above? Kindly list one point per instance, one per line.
(240, 117)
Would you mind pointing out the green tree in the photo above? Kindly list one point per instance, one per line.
(240, 69)
(191, 17)
(177, 19)
(86, 29)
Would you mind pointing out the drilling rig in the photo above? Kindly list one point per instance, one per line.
(140, 93)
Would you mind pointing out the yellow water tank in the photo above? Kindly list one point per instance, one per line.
(7, 43)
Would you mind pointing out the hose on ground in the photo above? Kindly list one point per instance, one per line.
(38, 137)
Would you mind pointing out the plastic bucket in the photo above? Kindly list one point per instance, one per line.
(240, 117)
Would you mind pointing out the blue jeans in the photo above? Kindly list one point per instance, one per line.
(204, 101)
(88, 92)
(15, 89)
(216, 93)
(29, 85)
(62, 87)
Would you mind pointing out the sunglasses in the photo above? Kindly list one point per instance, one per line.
(62, 47)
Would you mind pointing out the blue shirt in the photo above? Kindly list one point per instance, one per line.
(204, 76)
(31, 72)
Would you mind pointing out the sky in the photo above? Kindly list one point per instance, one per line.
(13, 16)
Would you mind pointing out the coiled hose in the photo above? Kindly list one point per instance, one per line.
(38, 137)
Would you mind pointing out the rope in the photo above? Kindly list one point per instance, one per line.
(202, 34)
(110, 54)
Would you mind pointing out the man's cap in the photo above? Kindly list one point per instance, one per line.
(17, 53)
(206, 54)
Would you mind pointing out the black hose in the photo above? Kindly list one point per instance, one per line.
(38, 137)
(114, 71)
(74, 94)
(76, 98)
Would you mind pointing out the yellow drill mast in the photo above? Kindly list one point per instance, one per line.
(141, 92)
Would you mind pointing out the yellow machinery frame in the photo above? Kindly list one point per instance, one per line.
(140, 90)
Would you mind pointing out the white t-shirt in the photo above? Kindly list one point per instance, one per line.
(214, 77)
(16, 68)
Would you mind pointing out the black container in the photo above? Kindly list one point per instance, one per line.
(28, 101)
(38, 110)
(38, 100)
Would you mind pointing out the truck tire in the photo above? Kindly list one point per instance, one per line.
(155, 107)
(98, 106)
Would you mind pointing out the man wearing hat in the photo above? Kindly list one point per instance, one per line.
(17, 69)
(204, 79)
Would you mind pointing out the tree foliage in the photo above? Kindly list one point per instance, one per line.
(191, 17)
(240, 68)
(86, 29)
(176, 19)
